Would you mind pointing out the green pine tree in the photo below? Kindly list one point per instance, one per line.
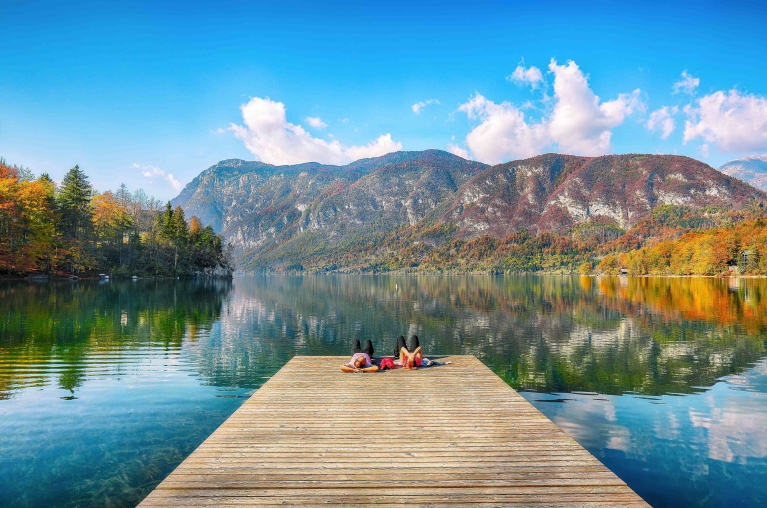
(76, 224)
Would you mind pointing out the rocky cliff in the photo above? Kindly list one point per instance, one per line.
(554, 192)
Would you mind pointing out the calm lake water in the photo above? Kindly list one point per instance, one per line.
(106, 387)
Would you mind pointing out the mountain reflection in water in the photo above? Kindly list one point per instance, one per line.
(105, 388)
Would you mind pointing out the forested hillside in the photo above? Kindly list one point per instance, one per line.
(71, 229)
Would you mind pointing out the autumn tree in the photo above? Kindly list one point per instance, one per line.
(9, 178)
(113, 226)
(27, 220)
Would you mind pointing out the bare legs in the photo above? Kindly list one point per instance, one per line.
(409, 359)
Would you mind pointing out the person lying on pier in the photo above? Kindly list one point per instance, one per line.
(361, 359)
(368, 349)
(411, 347)
(410, 356)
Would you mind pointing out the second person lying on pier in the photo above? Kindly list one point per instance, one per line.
(410, 355)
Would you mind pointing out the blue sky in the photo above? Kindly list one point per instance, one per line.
(134, 92)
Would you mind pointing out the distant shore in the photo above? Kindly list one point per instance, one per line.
(486, 272)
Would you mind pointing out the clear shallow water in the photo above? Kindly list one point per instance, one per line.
(105, 388)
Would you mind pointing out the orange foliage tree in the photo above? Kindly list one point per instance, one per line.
(27, 219)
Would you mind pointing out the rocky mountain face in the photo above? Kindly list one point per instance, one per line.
(258, 206)
(554, 192)
(752, 170)
(270, 213)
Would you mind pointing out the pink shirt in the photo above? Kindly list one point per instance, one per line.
(358, 355)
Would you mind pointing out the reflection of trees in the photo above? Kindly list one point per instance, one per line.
(53, 330)
(607, 335)
(651, 336)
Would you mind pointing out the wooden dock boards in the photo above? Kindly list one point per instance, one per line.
(448, 435)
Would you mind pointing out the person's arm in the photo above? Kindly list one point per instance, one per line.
(404, 356)
(346, 368)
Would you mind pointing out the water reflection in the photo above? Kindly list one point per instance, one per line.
(68, 332)
(105, 388)
(648, 335)
(707, 449)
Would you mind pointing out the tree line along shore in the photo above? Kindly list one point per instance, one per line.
(70, 229)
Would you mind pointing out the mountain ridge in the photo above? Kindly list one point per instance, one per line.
(281, 216)
(751, 169)
(258, 203)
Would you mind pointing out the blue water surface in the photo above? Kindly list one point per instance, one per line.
(106, 387)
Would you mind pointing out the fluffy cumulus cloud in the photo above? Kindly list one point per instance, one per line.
(663, 120)
(418, 106)
(730, 121)
(531, 76)
(153, 173)
(316, 122)
(502, 132)
(577, 122)
(272, 139)
(687, 84)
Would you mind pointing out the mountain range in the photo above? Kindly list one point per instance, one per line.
(752, 170)
(274, 213)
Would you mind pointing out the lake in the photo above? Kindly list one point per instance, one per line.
(105, 387)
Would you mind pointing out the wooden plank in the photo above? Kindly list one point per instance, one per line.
(448, 435)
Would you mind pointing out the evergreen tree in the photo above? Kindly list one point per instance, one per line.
(74, 203)
(166, 222)
(180, 237)
(76, 226)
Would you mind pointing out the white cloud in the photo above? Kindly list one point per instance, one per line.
(577, 122)
(687, 84)
(457, 150)
(502, 132)
(418, 106)
(663, 119)
(272, 139)
(153, 172)
(316, 122)
(380, 146)
(522, 76)
(731, 121)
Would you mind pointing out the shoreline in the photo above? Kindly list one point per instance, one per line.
(455, 273)
(78, 278)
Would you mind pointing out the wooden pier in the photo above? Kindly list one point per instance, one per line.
(448, 435)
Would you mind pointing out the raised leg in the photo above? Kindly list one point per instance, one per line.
(414, 343)
(399, 347)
